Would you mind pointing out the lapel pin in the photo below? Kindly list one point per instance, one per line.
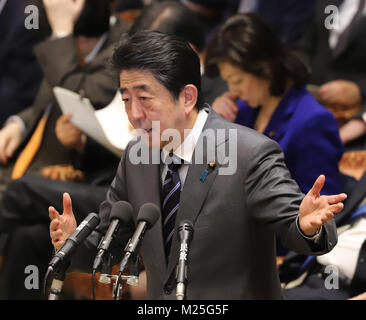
(210, 166)
(204, 175)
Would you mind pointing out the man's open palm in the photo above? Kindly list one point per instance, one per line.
(62, 225)
(316, 210)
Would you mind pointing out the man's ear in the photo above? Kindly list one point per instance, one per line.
(189, 96)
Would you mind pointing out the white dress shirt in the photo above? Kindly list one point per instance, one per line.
(344, 255)
(186, 149)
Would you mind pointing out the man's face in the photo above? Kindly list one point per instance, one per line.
(147, 100)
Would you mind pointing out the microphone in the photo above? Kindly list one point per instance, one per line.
(77, 237)
(120, 213)
(148, 215)
(185, 234)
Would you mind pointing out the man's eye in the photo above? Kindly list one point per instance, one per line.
(144, 98)
(125, 100)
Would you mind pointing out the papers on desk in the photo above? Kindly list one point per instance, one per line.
(108, 126)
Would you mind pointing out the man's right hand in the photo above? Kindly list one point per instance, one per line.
(62, 225)
(10, 139)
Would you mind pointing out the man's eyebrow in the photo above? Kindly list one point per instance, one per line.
(143, 87)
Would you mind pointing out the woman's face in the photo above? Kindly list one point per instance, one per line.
(252, 90)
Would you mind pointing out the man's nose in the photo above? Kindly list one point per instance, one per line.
(136, 111)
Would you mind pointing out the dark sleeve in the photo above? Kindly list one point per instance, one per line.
(274, 199)
(61, 67)
(85, 254)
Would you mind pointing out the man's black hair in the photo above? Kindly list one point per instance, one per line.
(169, 58)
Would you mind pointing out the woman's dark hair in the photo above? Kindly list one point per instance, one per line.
(169, 58)
(247, 42)
(171, 18)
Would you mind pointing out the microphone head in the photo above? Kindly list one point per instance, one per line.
(121, 210)
(92, 220)
(150, 213)
(185, 230)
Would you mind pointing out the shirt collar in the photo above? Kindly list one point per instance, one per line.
(186, 149)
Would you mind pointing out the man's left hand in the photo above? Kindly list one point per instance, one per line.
(316, 210)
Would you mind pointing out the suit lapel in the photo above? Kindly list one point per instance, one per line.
(195, 189)
(154, 236)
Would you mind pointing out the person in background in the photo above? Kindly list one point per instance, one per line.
(67, 158)
(20, 73)
(334, 48)
(267, 93)
(174, 18)
(289, 19)
(73, 56)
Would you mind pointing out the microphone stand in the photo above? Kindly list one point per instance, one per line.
(132, 278)
(58, 281)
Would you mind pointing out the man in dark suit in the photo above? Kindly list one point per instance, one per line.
(236, 201)
(73, 57)
(20, 73)
(335, 49)
(61, 60)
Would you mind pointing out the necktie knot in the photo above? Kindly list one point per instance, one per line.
(174, 167)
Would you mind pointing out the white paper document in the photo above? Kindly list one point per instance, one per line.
(108, 126)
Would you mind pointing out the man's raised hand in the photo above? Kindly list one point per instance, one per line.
(316, 210)
(62, 225)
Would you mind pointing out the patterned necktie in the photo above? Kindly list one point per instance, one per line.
(170, 203)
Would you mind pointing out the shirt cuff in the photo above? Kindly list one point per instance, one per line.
(19, 120)
(60, 35)
(315, 238)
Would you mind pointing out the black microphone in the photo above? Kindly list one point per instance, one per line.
(121, 212)
(185, 234)
(77, 237)
(148, 215)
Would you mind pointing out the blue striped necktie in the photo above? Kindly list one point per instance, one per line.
(170, 203)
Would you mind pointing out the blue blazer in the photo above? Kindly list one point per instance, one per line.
(308, 135)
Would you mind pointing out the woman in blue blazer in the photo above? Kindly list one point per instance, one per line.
(267, 93)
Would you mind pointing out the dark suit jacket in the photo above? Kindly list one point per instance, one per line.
(235, 217)
(20, 73)
(349, 63)
(59, 62)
